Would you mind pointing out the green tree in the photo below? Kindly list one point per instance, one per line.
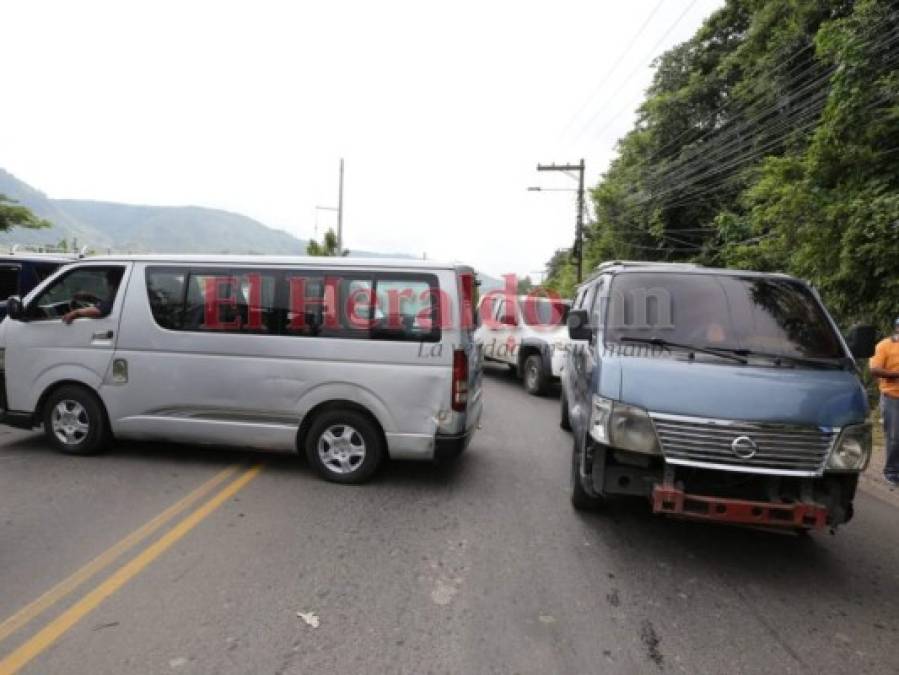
(328, 246)
(767, 141)
(12, 215)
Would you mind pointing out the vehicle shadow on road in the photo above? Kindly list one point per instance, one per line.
(425, 474)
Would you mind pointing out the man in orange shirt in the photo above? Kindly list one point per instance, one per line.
(885, 367)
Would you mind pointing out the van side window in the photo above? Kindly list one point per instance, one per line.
(406, 309)
(598, 303)
(587, 298)
(211, 301)
(380, 306)
(165, 289)
(257, 303)
(82, 287)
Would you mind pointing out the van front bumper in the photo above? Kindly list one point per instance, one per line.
(673, 501)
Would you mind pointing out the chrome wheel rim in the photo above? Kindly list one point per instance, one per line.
(70, 422)
(341, 448)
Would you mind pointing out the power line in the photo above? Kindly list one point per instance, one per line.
(613, 68)
(811, 112)
(641, 64)
(696, 168)
(717, 112)
(886, 39)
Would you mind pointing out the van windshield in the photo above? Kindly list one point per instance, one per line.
(763, 315)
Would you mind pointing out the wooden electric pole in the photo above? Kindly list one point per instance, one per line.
(577, 250)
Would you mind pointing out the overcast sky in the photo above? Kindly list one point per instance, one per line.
(441, 110)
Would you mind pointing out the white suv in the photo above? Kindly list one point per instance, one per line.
(526, 332)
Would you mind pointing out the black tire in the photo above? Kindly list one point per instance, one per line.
(564, 419)
(535, 379)
(75, 421)
(345, 464)
(581, 500)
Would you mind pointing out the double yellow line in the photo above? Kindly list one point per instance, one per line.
(47, 635)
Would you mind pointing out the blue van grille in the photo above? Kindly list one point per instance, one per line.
(722, 444)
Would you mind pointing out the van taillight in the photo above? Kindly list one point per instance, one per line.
(460, 380)
(466, 311)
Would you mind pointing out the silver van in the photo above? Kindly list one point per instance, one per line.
(347, 360)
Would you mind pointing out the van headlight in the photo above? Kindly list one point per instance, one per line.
(852, 450)
(622, 426)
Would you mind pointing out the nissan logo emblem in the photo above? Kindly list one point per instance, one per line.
(744, 447)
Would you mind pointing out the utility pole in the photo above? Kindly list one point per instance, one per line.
(577, 250)
(340, 212)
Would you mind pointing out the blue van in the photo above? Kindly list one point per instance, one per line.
(721, 395)
(20, 272)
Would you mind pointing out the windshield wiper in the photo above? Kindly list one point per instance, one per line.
(837, 364)
(661, 342)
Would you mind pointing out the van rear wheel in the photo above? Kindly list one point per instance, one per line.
(74, 421)
(344, 446)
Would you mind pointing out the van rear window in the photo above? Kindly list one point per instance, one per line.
(303, 303)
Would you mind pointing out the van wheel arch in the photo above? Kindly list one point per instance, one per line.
(37, 416)
(338, 404)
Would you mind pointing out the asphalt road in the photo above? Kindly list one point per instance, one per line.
(480, 566)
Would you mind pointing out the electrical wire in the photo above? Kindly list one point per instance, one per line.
(613, 68)
(641, 64)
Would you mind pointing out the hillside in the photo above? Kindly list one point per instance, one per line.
(767, 141)
(160, 229)
(124, 227)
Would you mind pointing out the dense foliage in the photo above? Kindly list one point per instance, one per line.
(770, 140)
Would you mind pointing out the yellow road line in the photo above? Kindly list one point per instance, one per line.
(53, 630)
(109, 556)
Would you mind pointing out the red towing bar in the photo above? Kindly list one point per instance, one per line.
(674, 501)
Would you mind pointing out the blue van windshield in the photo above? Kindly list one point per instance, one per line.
(766, 315)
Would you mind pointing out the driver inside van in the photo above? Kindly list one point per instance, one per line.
(93, 306)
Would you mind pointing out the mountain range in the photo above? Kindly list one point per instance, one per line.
(125, 227)
(109, 226)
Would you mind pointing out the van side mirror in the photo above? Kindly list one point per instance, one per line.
(14, 308)
(861, 341)
(579, 325)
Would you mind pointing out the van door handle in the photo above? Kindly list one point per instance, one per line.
(103, 335)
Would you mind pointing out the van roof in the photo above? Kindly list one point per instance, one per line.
(624, 266)
(309, 261)
(29, 256)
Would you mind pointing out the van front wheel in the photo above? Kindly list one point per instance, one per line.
(581, 500)
(564, 419)
(344, 446)
(74, 421)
